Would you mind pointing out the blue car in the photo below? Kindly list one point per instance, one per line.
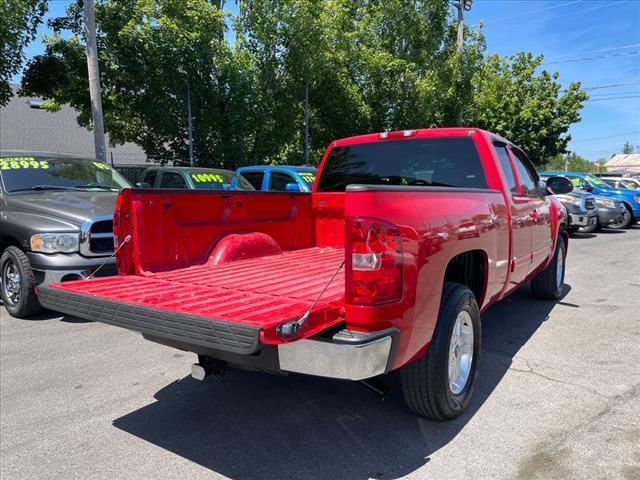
(279, 178)
(593, 184)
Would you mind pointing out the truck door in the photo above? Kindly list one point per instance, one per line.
(521, 233)
(539, 214)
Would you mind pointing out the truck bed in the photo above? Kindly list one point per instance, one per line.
(258, 293)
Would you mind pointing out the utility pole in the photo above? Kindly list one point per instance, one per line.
(306, 123)
(462, 6)
(94, 80)
(189, 123)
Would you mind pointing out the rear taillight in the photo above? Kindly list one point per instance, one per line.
(374, 262)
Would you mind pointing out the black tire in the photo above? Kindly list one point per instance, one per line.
(26, 303)
(626, 222)
(573, 229)
(547, 284)
(425, 381)
(591, 228)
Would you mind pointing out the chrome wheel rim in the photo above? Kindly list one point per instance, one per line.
(460, 353)
(11, 283)
(559, 268)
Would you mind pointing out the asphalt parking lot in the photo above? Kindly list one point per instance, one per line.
(558, 396)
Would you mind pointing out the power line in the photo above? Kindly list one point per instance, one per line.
(615, 93)
(610, 85)
(573, 12)
(527, 13)
(612, 98)
(621, 47)
(607, 136)
(582, 59)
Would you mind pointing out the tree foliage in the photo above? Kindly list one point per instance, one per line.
(20, 21)
(370, 65)
(574, 163)
(530, 109)
(627, 148)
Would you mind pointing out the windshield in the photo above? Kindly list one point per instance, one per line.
(596, 181)
(441, 162)
(219, 180)
(30, 173)
(308, 177)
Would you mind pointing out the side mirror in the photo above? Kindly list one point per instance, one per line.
(292, 187)
(559, 185)
(143, 185)
(587, 188)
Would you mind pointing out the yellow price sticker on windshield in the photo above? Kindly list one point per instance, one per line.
(207, 177)
(20, 163)
(308, 177)
(101, 166)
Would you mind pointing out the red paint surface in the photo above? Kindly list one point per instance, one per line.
(181, 257)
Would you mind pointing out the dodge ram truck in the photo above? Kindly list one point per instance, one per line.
(386, 265)
(56, 214)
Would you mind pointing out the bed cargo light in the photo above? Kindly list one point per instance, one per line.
(396, 134)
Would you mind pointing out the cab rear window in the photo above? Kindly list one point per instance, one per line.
(437, 162)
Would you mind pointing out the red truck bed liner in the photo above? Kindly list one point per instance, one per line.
(262, 292)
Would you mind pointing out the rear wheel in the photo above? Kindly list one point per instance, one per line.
(18, 284)
(439, 385)
(625, 222)
(549, 283)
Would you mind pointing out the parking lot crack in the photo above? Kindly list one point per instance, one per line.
(531, 370)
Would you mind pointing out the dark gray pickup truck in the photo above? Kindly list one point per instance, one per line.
(56, 223)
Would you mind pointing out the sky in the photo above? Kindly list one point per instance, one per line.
(594, 42)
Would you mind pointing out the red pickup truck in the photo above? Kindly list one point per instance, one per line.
(405, 239)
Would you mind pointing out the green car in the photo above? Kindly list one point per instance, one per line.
(192, 179)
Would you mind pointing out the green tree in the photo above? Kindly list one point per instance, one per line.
(150, 52)
(530, 109)
(20, 21)
(627, 148)
(574, 163)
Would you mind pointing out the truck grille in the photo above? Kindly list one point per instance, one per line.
(590, 204)
(97, 237)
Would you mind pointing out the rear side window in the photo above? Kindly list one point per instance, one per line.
(150, 177)
(278, 181)
(505, 164)
(437, 162)
(172, 180)
(254, 178)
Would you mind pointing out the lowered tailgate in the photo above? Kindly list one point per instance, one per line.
(232, 307)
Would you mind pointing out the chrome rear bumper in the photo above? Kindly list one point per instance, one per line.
(348, 355)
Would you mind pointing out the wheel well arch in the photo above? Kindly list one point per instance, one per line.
(627, 205)
(7, 241)
(469, 268)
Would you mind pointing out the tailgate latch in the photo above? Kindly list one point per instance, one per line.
(293, 327)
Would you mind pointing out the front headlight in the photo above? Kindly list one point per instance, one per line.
(55, 242)
(606, 203)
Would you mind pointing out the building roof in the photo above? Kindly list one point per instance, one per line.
(25, 127)
(624, 161)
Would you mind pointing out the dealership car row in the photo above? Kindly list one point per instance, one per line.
(58, 225)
